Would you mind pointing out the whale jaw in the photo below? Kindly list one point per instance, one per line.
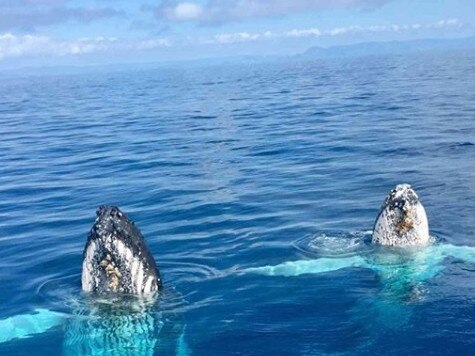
(116, 258)
(402, 220)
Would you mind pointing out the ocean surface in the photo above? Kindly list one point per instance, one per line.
(228, 167)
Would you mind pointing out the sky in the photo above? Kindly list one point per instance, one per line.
(89, 32)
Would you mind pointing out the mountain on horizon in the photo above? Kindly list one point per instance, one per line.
(390, 47)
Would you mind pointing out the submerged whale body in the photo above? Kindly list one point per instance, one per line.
(116, 258)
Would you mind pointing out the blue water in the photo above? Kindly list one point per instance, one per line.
(236, 166)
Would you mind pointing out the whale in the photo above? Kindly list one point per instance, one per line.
(118, 313)
(402, 220)
(403, 254)
(116, 258)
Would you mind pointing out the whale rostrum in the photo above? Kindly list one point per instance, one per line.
(116, 258)
(402, 220)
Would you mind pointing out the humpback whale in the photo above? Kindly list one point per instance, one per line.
(118, 315)
(116, 258)
(403, 254)
(402, 220)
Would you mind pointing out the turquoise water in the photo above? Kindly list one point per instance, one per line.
(230, 167)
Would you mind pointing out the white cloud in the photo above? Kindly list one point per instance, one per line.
(239, 37)
(13, 46)
(184, 11)
(304, 33)
(225, 38)
(30, 45)
(153, 43)
(337, 31)
(445, 24)
(83, 46)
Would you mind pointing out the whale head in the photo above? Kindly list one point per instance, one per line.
(402, 220)
(116, 258)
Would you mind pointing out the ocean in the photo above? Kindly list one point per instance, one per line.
(232, 166)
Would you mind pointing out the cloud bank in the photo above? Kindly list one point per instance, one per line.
(30, 45)
(218, 11)
(229, 38)
(12, 45)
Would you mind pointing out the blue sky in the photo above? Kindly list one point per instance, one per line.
(37, 32)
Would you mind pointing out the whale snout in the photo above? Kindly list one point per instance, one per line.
(402, 219)
(401, 197)
(116, 258)
(109, 210)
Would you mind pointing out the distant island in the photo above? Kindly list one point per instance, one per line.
(390, 47)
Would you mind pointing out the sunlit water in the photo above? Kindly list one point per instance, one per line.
(229, 167)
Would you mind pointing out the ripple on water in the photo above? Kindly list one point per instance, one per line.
(185, 272)
(64, 294)
(335, 244)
